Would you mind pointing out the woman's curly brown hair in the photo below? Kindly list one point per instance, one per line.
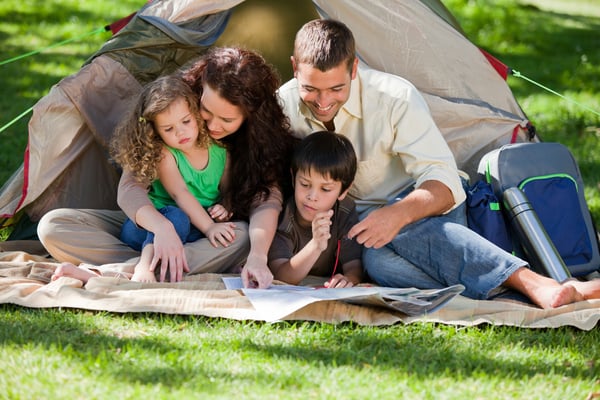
(261, 148)
(136, 145)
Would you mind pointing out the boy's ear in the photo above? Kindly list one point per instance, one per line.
(343, 194)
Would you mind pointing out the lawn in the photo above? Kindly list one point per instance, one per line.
(70, 354)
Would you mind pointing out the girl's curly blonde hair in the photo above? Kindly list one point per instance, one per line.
(136, 145)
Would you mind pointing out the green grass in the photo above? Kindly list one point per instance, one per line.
(77, 354)
(54, 353)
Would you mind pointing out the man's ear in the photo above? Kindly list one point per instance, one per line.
(294, 66)
(354, 68)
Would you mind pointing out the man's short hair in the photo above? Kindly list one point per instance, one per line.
(329, 154)
(324, 44)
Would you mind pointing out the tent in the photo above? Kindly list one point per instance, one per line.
(66, 162)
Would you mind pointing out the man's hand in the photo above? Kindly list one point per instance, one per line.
(378, 228)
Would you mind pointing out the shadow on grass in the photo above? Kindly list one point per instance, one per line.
(219, 347)
(422, 351)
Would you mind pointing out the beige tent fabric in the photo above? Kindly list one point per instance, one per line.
(67, 164)
(470, 102)
(185, 10)
(24, 281)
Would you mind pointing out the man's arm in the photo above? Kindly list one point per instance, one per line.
(382, 225)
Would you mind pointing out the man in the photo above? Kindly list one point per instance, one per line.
(408, 189)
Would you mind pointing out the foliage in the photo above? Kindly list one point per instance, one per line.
(558, 51)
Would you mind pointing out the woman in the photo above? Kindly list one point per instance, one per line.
(238, 102)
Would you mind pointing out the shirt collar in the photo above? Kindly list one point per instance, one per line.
(353, 106)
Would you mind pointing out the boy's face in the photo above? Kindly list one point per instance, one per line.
(315, 193)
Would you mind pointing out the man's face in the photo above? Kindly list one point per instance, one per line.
(324, 93)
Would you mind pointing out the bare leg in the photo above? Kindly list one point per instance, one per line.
(142, 271)
(72, 271)
(544, 291)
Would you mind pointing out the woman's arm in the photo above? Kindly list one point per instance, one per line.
(263, 225)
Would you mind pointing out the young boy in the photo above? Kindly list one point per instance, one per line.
(311, 238)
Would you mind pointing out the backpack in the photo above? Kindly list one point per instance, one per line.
(549, 179)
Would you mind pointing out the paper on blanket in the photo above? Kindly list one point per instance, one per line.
(235, 282)
(274, 304)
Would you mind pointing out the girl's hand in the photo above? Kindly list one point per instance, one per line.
(219, 213)
(221, 234)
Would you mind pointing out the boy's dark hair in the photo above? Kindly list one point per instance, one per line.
(328, 153)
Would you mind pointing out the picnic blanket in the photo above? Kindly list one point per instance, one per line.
(24, 281)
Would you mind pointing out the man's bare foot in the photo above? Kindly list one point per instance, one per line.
(553, 296)
(546, 292)
(72, 271)
(589, 289)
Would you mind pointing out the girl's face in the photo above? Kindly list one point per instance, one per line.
(222, 118)
(177, 126)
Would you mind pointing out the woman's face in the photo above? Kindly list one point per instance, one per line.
(222, 118)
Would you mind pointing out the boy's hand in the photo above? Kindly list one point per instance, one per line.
(338, 281)
(320, 229)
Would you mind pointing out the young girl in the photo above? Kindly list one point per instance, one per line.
(163, 144)
(237, 92)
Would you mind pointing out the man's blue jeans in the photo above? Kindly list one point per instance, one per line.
(438, 252)
(137, 238)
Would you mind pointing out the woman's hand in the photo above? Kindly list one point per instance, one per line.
(256, 274)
